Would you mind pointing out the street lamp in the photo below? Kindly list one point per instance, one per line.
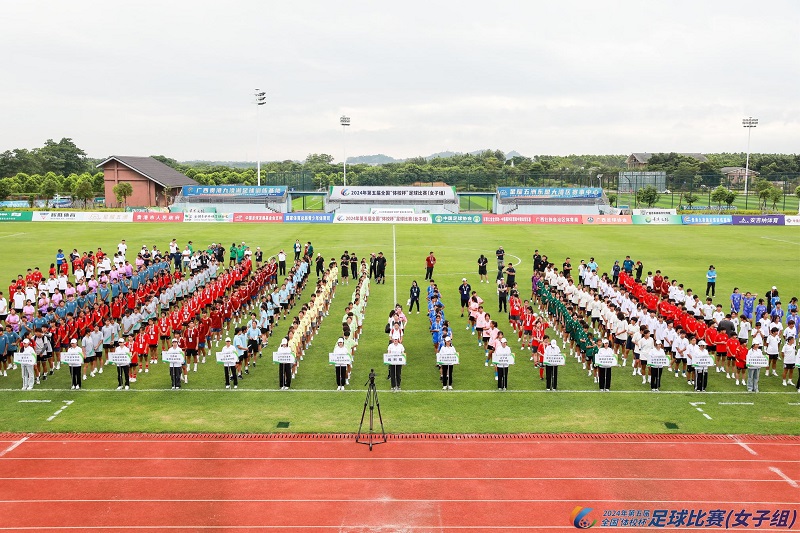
(344, 121)
(261, 99)
(748, 123)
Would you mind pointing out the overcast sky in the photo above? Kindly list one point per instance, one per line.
(177, 78)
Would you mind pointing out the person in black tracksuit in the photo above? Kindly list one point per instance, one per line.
(413, 296)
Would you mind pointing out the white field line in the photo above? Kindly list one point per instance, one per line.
(786, 478)
(14, 446)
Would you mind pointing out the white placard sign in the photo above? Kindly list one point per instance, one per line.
(21, 358)
(447, 358)
(173, 356)
(122, 359)
(556, 359)
(394, 359)
(503, 359)
(72, 358)
(606, 360)
(340, 359)
(658, 360)
(282, 358)
(227, 358)
(757, 360)
(704, 360)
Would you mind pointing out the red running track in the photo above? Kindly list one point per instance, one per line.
(409, 484)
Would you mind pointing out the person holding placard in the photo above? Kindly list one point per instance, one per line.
(501, 358)
(657, 360)
(341, 363)
(285, 369)
(447, 353)
(123, 363)
(701, 360)
(395, 371)
(229, 360)
(753, 372)
(605, 360)
(26, 365)
(551, 370)
(74, 358)
(175, 359)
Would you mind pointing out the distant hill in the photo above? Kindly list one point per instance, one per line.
(378, 159)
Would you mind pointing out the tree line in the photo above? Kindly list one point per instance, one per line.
(63, 168)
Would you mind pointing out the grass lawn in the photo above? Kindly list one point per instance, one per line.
(308, 203)
(675, 201)
(751, 258)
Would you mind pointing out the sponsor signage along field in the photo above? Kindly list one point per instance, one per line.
(532, 219)
(157, 217)
(456, 219)
(16, 216)
(109, 217)
(708, 220)
(790, 220)
(258, 217)
(308, 218)
(758, 220)
(657, 219)
(208, 217)
(606, 219)
(382, 219)
(550, 192)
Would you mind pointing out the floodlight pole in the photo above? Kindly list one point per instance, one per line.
(344, 121)
(261, 99)
(748, 123)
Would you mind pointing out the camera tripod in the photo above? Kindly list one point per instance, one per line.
(372, 402)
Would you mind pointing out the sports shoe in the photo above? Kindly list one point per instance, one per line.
(73, 387)
(634, 372)
(444, 388)
(648, 378)
(473, 333)
(784, 382)
(644, 380)
(84, 377)
(37, 381)
(203, 360)
(486, 363)
(227, 386)
(773, 373)
(495, 378)
(450, 387)
(676, 374)
(146, 370)
(236, 386)
(133, 380)
(127, 387)
(737, 381)
(101, 370)
(119, 388)
(790, 382)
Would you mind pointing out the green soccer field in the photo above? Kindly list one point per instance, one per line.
(753, 259)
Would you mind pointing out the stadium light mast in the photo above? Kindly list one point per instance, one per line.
(344, 121)
(261, 99)
(748, 123)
